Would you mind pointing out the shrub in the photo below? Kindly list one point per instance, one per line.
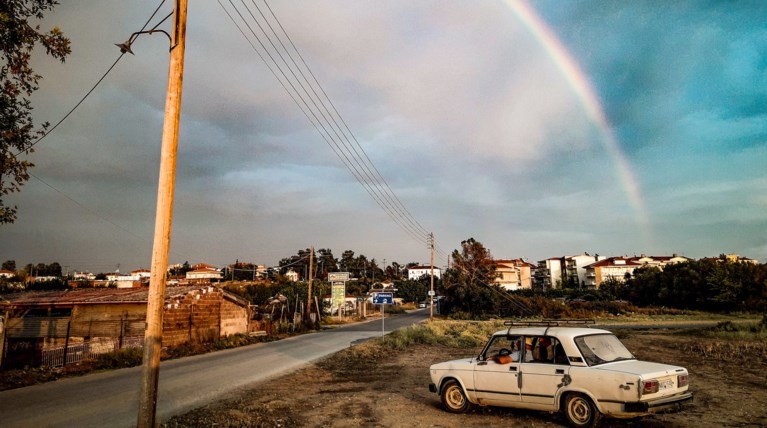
(126, 357)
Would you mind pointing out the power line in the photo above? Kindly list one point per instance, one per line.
(316, 122)
(94, 86)
(71, 199)
(366, 161)
(347, 149)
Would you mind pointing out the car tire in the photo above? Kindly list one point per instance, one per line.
(453, 398)
(581, 412)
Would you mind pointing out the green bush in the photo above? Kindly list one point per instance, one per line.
(126, 357)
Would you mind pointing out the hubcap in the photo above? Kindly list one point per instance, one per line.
(580, 410)
(454, 397)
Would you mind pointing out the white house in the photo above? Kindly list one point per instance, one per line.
(83, 276)
(548, 273)
(204, 274)
(417, 272)
(4, 273)
(142, 273)
(292, 275)
(575, 267)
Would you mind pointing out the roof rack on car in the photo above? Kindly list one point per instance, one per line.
(547, 322)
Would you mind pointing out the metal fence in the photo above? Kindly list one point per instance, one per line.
(54, 356)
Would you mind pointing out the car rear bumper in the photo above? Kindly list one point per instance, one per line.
(659, 405)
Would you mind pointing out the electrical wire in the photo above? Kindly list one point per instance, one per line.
(94, 86)
(316, 122)
(326, 122)
(71, 199)
(346, 126)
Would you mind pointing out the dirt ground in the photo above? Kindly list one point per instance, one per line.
(384, 388)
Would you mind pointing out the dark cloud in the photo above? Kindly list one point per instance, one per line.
(470, 122)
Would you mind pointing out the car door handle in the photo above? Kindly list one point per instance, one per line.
(512, 368)
(560, 371)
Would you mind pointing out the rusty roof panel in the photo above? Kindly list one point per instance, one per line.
(99, 296)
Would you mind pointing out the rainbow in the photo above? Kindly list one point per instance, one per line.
(583, 90)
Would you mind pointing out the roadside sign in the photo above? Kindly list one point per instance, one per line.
(338, 276)
(338, 293)
(431, 293)
(383, 299)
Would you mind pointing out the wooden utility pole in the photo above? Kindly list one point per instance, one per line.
(150, 371)
(311, 279)
(431, 289)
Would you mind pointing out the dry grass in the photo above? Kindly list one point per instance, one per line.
(742, 352)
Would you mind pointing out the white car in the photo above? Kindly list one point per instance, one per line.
(562, 365)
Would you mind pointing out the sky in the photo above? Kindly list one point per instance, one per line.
(540, 129)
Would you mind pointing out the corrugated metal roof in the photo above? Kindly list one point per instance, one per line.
(100, 295)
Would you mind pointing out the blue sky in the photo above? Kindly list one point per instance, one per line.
(460, 108)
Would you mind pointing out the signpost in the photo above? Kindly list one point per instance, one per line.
(383, 299)
(338, 290)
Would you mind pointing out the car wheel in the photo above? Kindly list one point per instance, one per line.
(453, 398)
(581, 412)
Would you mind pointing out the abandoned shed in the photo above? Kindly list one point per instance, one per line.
(58, 327)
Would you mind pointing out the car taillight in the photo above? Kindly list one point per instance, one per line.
(682, 380)
(650, 386)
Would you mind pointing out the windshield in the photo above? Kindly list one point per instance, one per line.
(602, 348)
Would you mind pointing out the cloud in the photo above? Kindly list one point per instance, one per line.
(457, 105)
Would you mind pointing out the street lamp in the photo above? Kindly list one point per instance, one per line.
(125, 46)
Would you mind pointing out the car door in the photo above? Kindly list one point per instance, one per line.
(542, 375)
(497, 382)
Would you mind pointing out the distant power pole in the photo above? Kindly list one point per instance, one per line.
(311, 278)
(150, 371)
(431, 289)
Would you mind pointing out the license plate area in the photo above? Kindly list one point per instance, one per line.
(665, 384)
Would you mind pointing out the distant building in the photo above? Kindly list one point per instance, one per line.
(514, 274)
(44, 278)
(613, 268)
(659, 261)
(204, 274)
(4, 273)
(548, 273)
(83, 276)
(557, 271)
(416, 272)
(142, 273)
(292, 275)
(734, 258)
(575, 267)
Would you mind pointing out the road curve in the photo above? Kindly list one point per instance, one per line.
(111, 398)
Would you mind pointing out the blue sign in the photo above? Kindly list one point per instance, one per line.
(383, 299)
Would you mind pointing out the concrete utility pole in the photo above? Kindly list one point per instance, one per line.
(150, 371)
(431, 289)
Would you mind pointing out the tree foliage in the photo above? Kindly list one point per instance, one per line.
(711, 285)
(468, 285)
(18, 37)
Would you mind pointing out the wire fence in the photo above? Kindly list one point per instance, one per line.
(72, 353)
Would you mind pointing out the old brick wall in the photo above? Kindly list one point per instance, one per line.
(234, 318)
(197, 317)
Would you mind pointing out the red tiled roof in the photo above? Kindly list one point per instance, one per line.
(611, 262)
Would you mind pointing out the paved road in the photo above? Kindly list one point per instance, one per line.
(111, 398)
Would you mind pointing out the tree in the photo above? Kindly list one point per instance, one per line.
(9, 265)
(18, 81)
(469, 283)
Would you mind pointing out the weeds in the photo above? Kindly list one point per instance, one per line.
(728, 341)
(127, 357)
